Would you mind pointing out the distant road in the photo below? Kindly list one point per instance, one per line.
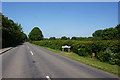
(30, 61)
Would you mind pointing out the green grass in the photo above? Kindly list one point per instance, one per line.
(94, 63)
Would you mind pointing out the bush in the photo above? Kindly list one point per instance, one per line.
(106, 51)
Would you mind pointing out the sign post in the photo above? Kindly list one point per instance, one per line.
(66, 47)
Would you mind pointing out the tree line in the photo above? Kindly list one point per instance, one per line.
(106, 34)
(12, 32)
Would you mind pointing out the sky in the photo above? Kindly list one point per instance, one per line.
(59, 19)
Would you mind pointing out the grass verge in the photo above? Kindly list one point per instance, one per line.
(94, 63)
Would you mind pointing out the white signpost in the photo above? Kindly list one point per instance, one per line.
(66, 47)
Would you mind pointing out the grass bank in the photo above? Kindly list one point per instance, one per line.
(94, 63)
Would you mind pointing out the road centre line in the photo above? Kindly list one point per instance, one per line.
(48, 77)
(31, 52)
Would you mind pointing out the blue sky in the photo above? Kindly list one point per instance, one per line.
(59, 19)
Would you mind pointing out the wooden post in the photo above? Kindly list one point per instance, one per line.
(68, 49)
(62, 49)
(93, 55)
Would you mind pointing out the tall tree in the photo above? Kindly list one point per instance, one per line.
(35, 34)
(52, 38)
(74, 38)
(118, 31)
(108, 34)
(11, 32)
(97, 33)
(64, 38)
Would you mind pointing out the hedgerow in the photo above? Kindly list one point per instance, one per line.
(105, 51)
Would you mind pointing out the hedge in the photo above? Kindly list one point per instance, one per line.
(106, 51)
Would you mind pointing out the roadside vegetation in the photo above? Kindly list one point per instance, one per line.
(104, 44)
(105, 51)
(12, 32)
(87, 60)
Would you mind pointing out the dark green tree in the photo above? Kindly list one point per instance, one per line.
(24, 37)
(118, 31)
(52, 38)
(64, 38)
(97, 33)
(74, 38)
(35, 34)
(11, 32)
(109, 33)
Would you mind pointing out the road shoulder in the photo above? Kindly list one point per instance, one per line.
(5, 50)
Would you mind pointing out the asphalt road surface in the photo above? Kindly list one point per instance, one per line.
(30, 61)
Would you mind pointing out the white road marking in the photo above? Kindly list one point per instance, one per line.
(31, 52)
(48, 77)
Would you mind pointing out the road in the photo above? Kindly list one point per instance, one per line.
(30, 61)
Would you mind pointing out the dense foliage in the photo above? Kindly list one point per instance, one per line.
(52, 38)
(108, 34)
(65, 38)
(104, 43)
(35, 34)
(86, 38)
(11, 32)
(106, 51)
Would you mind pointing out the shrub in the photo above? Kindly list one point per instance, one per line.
(106, 51)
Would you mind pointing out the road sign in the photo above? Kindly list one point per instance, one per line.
(66, 47)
